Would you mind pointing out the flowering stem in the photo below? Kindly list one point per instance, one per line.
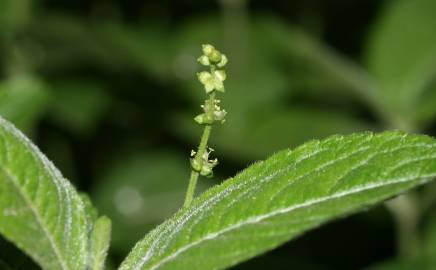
(200, 152)
(212, 81)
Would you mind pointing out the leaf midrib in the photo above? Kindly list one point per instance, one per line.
(260, 218)
(38, 218)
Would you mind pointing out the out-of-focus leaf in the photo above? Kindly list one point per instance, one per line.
(40, 211)
(402, 53)
(288, 194)
(23, 100)
(55, 34)
(146, 48)
(107, 45)
(294, 126)
(79, 105)
(420, 263)
(425, 261)
(430, 239)
(426, 110)
(323, 64)
(140, 191)
(14, 14)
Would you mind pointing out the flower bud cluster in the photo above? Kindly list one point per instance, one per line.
(205, 165)
(212, 56)
(212, 113)
(213, 80)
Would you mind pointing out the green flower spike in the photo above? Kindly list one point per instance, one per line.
(213, 81)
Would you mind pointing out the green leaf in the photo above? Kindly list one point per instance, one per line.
(23, 100)
(109, 45)
(56, 32)
(90, 211)
(426, 110)
(430, 238)
(320, 62)
(92, 99)
(144, 47)
(278, 199)
(14, 15)
(40, 211)
(402, 53)
(100, 240)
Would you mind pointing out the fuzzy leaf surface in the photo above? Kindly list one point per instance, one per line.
(278, 199)
(40, 211)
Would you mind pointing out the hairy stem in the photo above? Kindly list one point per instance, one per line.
(191, 188)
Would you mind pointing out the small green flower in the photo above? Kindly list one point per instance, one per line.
(212, 112)
(212, 56)
(208, 165)
(207, 169)
(212, 81)
(220, 115)
(204, 166)
(215, 57)
(204, 60)
(208, 49)
(221, 75)
(223, 61)
(195, 165)
(203, 119)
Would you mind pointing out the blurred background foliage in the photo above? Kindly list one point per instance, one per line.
(107, 89)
